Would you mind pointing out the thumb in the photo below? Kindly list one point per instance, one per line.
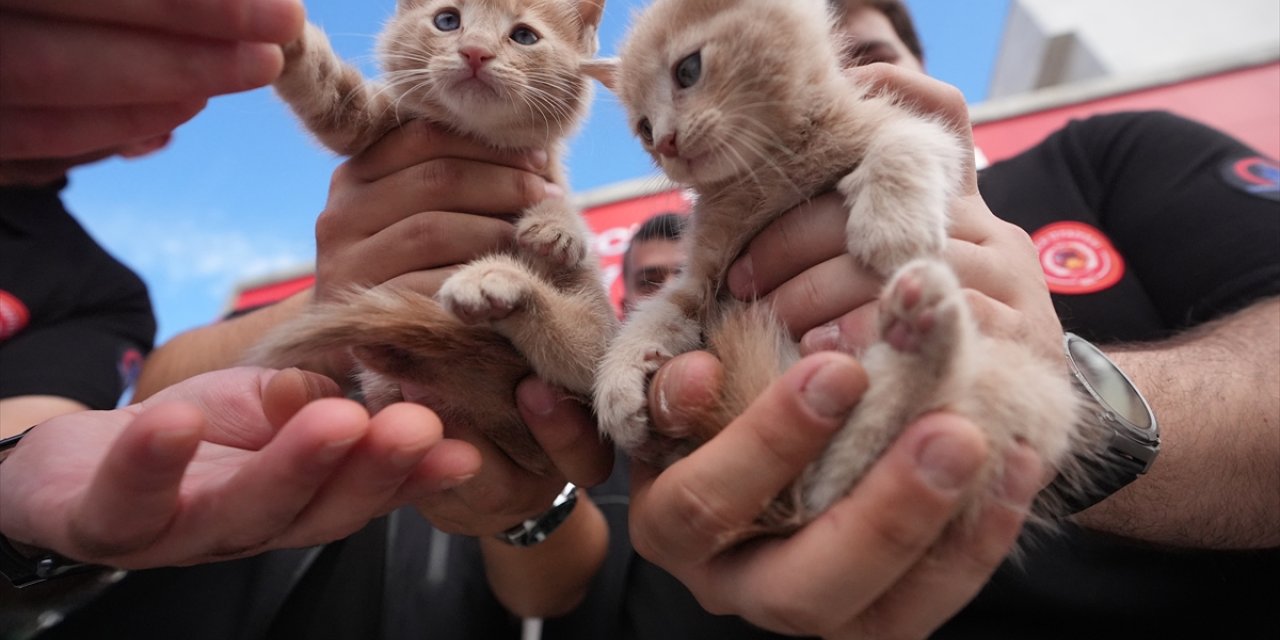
(134, 493)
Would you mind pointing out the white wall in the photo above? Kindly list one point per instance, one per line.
(1049, 42)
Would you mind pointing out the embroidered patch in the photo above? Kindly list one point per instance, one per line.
(13, 315)
(1077, 258)
(129, 367)
(1254, 175)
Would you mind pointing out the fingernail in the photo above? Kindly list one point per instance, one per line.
(275, 20)
(1021, 479)
(457, 481)
(827, 392)
(331, 452)
(258, 64)
(822, 338)
(539, 398)
(553, 191)
(742, 278)
(946, 463)
(538, 159)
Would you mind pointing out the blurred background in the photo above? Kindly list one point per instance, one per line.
(228, 209)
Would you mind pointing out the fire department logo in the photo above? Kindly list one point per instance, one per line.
(1256, 175)
(1077, 258)
(13, 315)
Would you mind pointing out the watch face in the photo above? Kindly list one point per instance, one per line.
(1110, 385)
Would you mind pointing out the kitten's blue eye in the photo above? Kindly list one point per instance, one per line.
(525, 36)
(448, 20)
(688, 70)
(645, 130)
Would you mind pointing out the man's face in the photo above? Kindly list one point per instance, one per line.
(874, 40)
(650, 263)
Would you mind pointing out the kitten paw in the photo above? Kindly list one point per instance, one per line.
(622, 394)
(546, 239)
(921, 307)
(485, 292)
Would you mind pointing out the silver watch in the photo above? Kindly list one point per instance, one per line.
(535, 530)
(1124, 433)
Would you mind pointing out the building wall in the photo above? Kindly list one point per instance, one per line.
(1052, 42)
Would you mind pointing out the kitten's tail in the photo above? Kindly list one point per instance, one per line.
(389, 330)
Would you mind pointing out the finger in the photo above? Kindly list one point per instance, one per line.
(800, 238)
(282, 478)
(258, 20)
(418, 141)
(705, 501)
(963, 562)
(134, 493)
(446, 465)
(861, 546)
(451, 184)
(924, 93)
(45, 133)
(419, 242)
(138, 68)
(823, 293)
(498, 496)
(286, 392)
(399, 437)
(851, 333)
(684, 390)
(564, 428)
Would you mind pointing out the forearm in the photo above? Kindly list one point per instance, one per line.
(216, 346)
(551, 578)
(1216, 393)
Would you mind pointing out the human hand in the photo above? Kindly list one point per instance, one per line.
(223, 465)
(800, 262)
(881, 562)
(417, 204)
(503, 494)
(86, 80)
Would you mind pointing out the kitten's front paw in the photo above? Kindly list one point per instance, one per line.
(485, 292)
(552, 241)
(622, 394)
(922, 307)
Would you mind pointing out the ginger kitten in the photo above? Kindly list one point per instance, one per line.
(509, 73)
(744, 101)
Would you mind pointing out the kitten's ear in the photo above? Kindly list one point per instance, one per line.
(590, 11)
(603, 69)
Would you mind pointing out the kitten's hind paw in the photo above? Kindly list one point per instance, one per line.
(485, 291)
(922, 307)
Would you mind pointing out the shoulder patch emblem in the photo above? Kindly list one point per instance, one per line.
(1077, 259)
(1254, 175)
(13, 315)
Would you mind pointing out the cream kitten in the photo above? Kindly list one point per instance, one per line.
(509, 73)
(745, 102)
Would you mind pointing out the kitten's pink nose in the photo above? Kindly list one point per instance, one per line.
(667, 146)
(476, 56)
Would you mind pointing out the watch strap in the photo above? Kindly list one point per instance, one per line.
(535, 530)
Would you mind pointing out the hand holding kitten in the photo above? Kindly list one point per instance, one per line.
(86, 80)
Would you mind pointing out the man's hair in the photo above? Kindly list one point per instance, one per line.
(898, 15)
(662, 226)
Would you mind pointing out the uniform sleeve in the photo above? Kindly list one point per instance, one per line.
(1194, 211)
(88, 359)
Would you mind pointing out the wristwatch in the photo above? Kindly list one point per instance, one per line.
(24, 570)
(1123, 433)
(535, 530)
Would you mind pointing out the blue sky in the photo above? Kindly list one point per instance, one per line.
(235, 195)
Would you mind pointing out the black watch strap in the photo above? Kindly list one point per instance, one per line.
(1104, 475)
